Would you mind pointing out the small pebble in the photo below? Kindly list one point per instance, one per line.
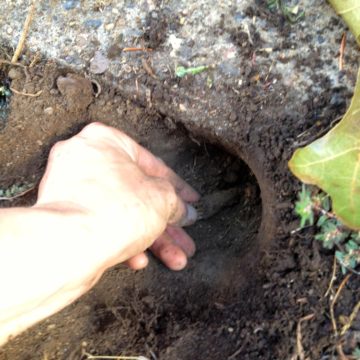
(39, 142)
(115, 11)
(70, 4)
(109, 27)
(9, 30)
(15, 74)
(81, 41)
(49, 111)
(182, 107)
(93, 23)
(99, 63)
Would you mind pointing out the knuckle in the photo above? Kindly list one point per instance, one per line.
(172, 204)
(167, 189)
(57, 148)
(93, 128)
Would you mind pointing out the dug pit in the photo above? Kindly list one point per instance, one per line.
(164, 312)
(154, 311)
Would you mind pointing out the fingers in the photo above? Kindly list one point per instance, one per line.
(138, 262)
(148, 163)
(173, 248)
(174, 209)
(182, 239)
(154, 166)
(170, 254)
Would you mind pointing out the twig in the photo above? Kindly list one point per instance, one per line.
(339, 347)
(2, 61)
(148, 68)
(332, 305)
(292, 232)
(36, 58)
(237, 352)
(324, 212)
(340, 351)
(333, 278)
(9, 198)
(26, 94)
(352, 317)
(25, 31)
(133, 49)
(269, 71)
(299, 346)
(341, 52)
(103, 357)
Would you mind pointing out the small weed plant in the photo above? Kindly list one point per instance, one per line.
(314, 208)
(291, 13)
(356, 353)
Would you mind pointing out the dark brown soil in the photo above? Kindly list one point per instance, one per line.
(250, 282)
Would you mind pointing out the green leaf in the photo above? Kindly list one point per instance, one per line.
(350, 11)
(325, 203)
(331, 233)
(355, 236)
(322, 220)
(340, 257)
(333, 164)
(351, 245)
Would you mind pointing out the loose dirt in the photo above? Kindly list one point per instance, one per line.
(250, 282)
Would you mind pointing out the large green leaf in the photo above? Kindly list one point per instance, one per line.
(333, 164)
(350, 11)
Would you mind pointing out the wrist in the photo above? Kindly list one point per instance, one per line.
(40, 249)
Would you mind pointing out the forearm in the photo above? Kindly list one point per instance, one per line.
(37, 269)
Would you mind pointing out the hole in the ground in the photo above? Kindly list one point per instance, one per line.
(171, 309)
(5, 94)
(230, 217)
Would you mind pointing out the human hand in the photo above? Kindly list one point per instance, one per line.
(129, 199)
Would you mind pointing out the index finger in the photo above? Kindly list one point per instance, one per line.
(154, 166)
(148, 163)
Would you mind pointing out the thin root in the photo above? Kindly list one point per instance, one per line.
(35, 60)
(352, 317)
(3, 61)
(341, 52)
(299, 347)
(25, 31)
(105, 357)
(332, 305)
(341, 353)
(133, 49)
(339, 348)
(147, 67)
(333, 278)
(26, 94)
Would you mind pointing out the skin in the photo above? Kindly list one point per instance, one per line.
(103, 200)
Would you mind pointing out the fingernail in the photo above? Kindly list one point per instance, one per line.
(190, 217)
